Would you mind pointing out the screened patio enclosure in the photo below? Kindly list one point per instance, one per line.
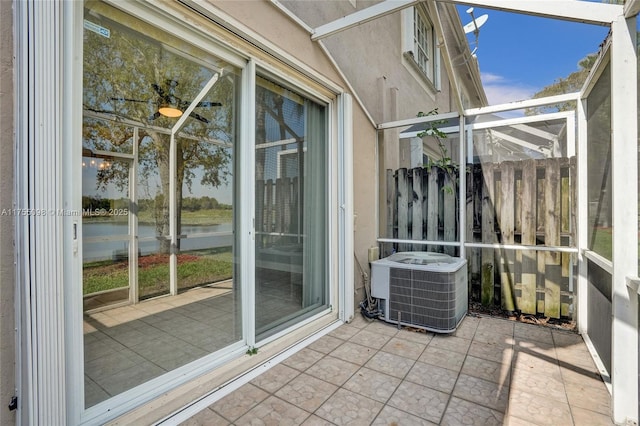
(543, 206)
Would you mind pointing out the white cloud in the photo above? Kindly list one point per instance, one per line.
(500, 90)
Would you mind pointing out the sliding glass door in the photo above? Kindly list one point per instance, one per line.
(291, 207)
(160, 286)
(165, 221)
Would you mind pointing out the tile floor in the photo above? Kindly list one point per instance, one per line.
(129, 345)
(491, 371)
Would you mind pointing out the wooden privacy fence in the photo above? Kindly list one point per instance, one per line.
(278, 209)
(529, 203)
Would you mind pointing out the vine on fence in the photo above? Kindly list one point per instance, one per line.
(445, 162)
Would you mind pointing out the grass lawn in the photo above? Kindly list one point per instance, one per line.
(194, 269)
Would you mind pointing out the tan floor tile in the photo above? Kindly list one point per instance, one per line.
(491, 352)
(306, 392)
(370, 339)
(275, 377)
(532, 332)
(238, 402)
(393, 416)
(273, 411)
(497, 325)
(434, 377)
(326, 344)
(372, 384)
(205, 417)
(359, 322)
(580, 375)
(349, 408)
(383, 328)
(467, 329)
(482, 392)
(450, 343)
(538, 410)
(532, 347)
(583, 417)
(405, 348)
(532, 382)
(333, 370)
(492, 338)
(393, 365)
(461, 412)
(593, 396)
(488, 370)
(314, 420)
(442, 358)
(421, 401)
(539, 364)
(303, 359)
(354, 353)
(566, 338)
(344, 332)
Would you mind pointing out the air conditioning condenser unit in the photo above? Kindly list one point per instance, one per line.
(421, 289)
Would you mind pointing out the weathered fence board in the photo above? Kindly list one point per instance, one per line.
(417, 196)
(403, 208)
(528, 293)
(488, 235)
(528, 202)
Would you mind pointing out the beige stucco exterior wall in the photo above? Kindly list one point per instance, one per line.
(7, 323)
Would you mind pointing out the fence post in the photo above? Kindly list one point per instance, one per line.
(391, 211)
(403, 208)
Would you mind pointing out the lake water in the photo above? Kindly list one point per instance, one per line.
(103, 250)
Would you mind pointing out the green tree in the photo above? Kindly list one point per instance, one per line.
(572, 83)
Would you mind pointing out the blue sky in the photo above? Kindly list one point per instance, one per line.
(518, 54)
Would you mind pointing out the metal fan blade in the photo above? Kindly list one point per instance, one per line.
(154, 116)
(199, 117)
(208, 104)
(129, 100)
(158, 89)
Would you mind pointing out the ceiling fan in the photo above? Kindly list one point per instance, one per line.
(169, 105)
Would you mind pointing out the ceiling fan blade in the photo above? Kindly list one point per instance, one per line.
(159, 90)
(154, 116)
(208, 104)
(128, 100)
(199, 117)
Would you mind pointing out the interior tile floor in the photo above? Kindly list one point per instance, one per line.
(491, 371)
(129, 345)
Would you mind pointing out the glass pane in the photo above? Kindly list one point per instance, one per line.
(521, 191)
(106, 237)
(138, 82)
(419, 175)
(599, 166)
(291, 206)
(154, 238)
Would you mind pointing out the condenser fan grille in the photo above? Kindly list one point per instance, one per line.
(423, 298)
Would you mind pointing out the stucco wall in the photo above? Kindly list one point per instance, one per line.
(7, 338)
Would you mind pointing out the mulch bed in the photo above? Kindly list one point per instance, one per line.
(478, 309)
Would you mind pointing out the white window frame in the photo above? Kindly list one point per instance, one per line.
(413, 50)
